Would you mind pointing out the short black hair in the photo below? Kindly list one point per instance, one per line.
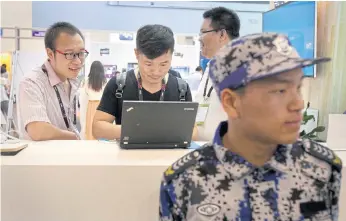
(54, 31)
(154, 40)
(199, 68)
(223, 18)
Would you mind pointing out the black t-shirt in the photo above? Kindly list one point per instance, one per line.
(111, 105)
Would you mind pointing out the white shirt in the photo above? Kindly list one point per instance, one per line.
(93, 95)
(215, 113)
(37, 100)
(87, 94)
(194, 80)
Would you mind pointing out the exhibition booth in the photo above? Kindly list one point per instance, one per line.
(116, 51)
(97, 180)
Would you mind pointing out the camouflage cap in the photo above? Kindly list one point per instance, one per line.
(253, 57)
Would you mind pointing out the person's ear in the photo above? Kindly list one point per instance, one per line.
(50, 53)
(230, 102)
(136, 53)
(223, 35)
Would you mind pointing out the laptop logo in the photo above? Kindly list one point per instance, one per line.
(129, 109)
(189, 109)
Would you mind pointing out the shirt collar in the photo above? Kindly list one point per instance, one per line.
(239, 167)
(52, 76)
(55, 80)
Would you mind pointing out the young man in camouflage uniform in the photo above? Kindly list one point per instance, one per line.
(256, 169)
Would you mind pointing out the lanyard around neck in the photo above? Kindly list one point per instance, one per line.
(205, 95)
(140, 88)
(63, 112)
(205, 89)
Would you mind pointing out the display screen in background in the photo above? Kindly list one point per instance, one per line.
(297, 20)
(184, 71)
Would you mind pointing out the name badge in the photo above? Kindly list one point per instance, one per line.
(202, 114)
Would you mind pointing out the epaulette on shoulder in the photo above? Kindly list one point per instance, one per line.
(322, 152)
(186, 162)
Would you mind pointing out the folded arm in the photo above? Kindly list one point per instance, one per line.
(33, 114)
(40, 131)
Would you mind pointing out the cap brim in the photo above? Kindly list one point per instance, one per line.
(277, 68)
(292, 64)
(309, 62)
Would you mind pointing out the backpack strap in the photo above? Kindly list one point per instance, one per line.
(120, 80)
(182, 87)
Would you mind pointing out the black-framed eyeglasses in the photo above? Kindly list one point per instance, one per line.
(207, 31)
(71, 55)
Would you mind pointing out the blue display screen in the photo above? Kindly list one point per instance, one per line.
(297, 20)
(183, 70)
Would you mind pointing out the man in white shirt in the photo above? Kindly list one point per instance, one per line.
(220, 25)
(194, 79)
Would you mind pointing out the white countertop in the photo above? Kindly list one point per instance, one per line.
(88, 180)
(90, 153)
(97, 153)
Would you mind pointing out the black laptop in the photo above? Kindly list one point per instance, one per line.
(157, 124)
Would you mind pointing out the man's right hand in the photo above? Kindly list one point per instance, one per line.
(103, 127)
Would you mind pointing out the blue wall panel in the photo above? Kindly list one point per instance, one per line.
(99, 15)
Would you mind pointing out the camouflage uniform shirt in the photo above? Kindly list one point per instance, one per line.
(300, 182)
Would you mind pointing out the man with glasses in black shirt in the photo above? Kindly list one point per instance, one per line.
(149, 82)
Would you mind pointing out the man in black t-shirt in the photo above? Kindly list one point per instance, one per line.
(150, 82)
